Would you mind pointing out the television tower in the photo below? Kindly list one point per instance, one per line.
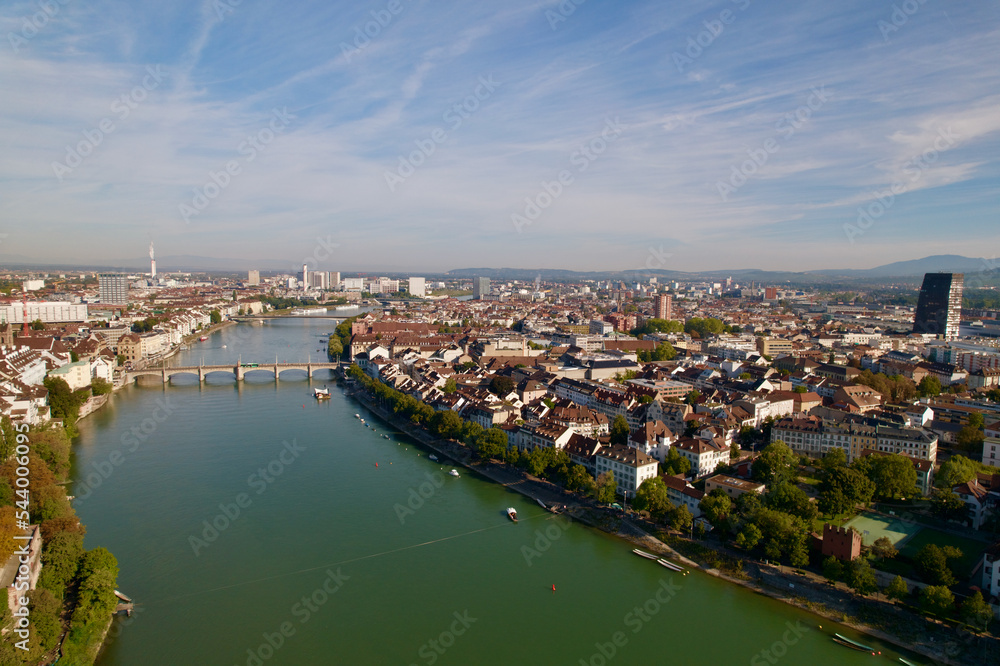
(24, 315)
(152, 262)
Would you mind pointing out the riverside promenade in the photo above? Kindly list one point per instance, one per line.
(811, 593)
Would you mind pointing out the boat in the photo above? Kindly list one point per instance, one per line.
(321, 393)
(670, 565)
(432, 457)
(908, 663)
(541, 503)
(454, 472)
(847, 642)
(642, 553)
(203, 338)
(223, 346)
(357, 416)
(511, 513)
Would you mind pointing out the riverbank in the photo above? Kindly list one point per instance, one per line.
(910, 631)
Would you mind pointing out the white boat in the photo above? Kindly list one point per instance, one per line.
(541, 503)
(642, 553)
(223, 346)
(357, 416)
(669, 565)
(511, 513)
(432, 457)
(454, 472)
(321, 394)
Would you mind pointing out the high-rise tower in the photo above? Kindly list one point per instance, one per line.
(939, 308)
(152, 262)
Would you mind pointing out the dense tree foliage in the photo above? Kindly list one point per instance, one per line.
(893, 475)
(775, 465)
(932, 563)
(654, 325)
(619, 430)
(652, 497)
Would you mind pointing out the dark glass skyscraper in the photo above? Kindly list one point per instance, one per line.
(939, 308)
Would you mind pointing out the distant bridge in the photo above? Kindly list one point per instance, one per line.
(237, 371)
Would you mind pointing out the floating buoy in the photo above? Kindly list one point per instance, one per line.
(376, 464)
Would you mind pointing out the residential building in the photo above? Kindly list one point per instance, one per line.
(991, 571)
(733, 487)
(704, 455)
(630, 466)
(113, 288)
(774, 346)
(417, 286)
(480, 288)
(682, 493)
(77, 375)
(664, 306)
(253, 278)
(991, 445)
(939, 306)
(46, 311)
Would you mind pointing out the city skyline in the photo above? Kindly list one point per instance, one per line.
(689, 137)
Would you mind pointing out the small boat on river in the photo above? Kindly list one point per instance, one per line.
(642, 553)
(511, 513)
(454, 472)
(854, 645)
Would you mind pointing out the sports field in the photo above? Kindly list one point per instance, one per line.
(873, 527)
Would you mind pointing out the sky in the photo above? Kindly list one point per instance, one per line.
(411, 135)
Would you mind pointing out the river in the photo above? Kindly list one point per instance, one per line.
(255, 525)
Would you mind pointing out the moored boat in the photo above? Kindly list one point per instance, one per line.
(454, 472)
(511, 513)
(541, 503)
(847, 642)
(432, 457)
(642, 553)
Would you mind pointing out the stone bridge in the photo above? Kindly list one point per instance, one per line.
(237, 370)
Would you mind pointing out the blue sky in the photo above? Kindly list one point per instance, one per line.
(688, 135)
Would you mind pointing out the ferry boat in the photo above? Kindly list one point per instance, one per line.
(511, 513)
(454, 472)
(321, 394)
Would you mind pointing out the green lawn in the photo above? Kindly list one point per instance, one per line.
(972, 550)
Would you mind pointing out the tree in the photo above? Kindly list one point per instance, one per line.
(893, 475)
(929, 386)
(861, 577)
(215, 316)
(37, 325)
(976, 611)
(947, 505)
(883, 549)
(833, 568)
(692, 397)
(579, 479)
(492, 444)
(977, 421)
(749, 537)
(843, 487)
(931, 562)
(450, 386)
(790, 499)
(446, 424)
(674, 463)
(956, 470)
(970, 439)
(734, 451)
(652, 497)
(834, 459)
(897, 588)
(100, 386)
(60, 560)
(937, 599)
(716, 506)
(775, 464)
(681, 518)
(619, 431)
(64, 403)
(606, 488)
(501, 385)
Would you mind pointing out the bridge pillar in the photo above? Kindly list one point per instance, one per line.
(164, 375)
(201, 375)
(239, 373)
(309, 372)
(275, 373)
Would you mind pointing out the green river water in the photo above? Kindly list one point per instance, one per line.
(320, 566)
